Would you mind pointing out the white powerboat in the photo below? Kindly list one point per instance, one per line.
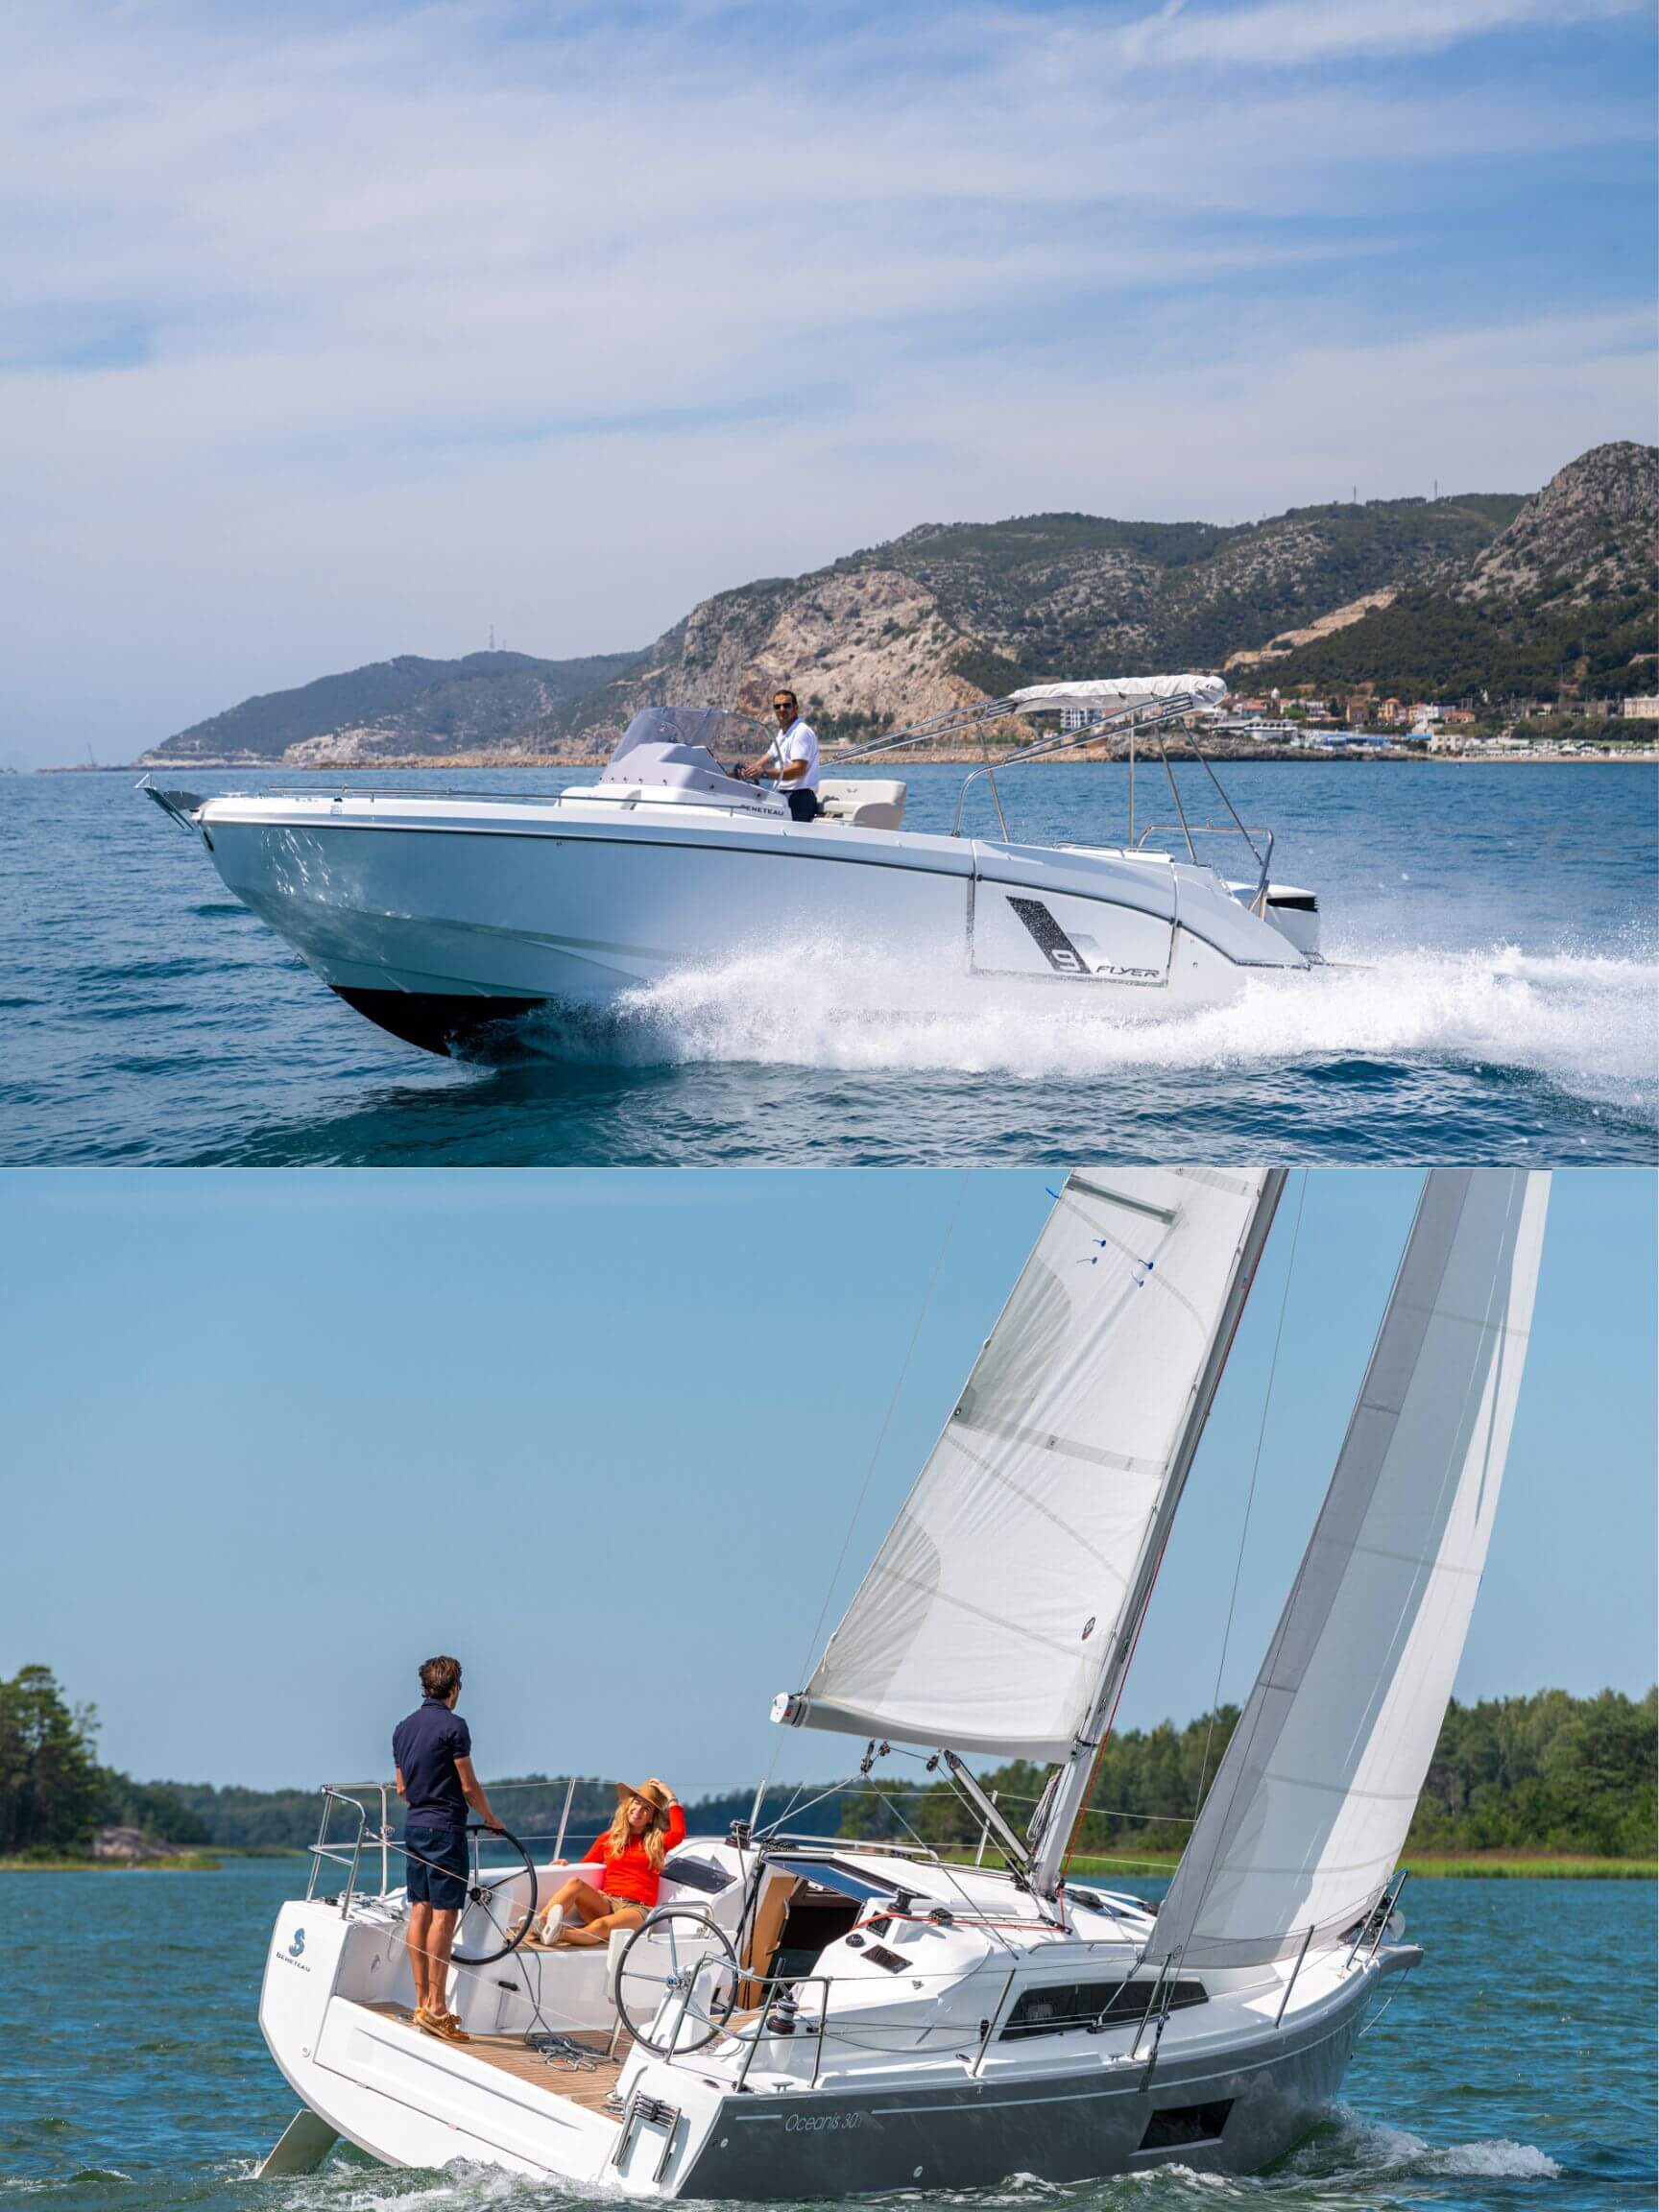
(803, 2017)
(441, 915)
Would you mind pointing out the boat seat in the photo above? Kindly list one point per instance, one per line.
(863, 804)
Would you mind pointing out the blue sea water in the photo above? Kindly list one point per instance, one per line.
(1499, 1001)
(1515, 2070)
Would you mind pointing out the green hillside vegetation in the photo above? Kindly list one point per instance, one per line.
(482, 699)
(1498, 599)
(1542, 1774)
(1059, 593)
(1374, 533)
(53, 1791)
(1036, 597)
(1431, 645)
(235, 1820)
(1546, 1775)
(55, 1794)
(1561, 603)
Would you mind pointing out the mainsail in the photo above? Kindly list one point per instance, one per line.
(1011, 1584)
(1311, 1803)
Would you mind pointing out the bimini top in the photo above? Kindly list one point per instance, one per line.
(1109, 694)
(682, 748)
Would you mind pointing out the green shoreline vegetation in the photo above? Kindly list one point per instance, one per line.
(1551, 1780)
(1541, 1785)
(1471, 1866)
(1489, 1867)
(176, 1863)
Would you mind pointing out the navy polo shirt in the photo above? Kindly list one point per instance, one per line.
(426, 1748)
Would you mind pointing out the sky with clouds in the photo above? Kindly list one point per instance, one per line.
(329, 332)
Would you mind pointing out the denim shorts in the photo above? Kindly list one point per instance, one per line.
(437, 1866)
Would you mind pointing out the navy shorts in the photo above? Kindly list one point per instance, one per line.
(437, 1867)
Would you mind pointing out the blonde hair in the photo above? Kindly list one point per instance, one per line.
(619, 1835)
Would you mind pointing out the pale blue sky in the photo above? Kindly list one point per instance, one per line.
(272, 1438)
(334, 332)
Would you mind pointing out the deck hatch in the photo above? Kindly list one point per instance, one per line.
(849, 1881)
(1064, 2006)
(694, 1873)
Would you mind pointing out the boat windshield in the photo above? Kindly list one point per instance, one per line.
(723, 735)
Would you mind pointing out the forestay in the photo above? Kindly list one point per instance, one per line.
(1001, 1595)
(1311, 1805)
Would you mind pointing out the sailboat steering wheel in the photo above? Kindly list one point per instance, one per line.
(479, 1892)
(675, 1944)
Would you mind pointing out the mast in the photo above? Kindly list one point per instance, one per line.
(1064, 1806)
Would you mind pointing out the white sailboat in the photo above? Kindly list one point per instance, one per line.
(445, 915)
(810, 2018)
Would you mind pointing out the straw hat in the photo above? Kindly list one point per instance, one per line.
(651, 1793)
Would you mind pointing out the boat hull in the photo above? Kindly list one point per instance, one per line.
(445, 935)
(678, 2130)
(980, 2134)
(449, 1023)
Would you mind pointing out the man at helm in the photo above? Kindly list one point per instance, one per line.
(432, 1751)
(791, 759)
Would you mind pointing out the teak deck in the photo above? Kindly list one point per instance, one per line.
(513, 2055)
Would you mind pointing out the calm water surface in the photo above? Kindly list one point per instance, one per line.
(1516, 2069)
(1503, 1003)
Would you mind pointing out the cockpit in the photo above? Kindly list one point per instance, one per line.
(680, 749)
(679, 752)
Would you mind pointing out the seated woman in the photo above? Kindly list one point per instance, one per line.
(649, 1824)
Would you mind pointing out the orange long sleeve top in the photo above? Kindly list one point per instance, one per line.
(629, 1875)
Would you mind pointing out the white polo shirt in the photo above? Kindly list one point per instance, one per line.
(799, 742)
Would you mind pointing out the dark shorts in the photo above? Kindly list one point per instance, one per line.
(803, 804)
(437, 1866)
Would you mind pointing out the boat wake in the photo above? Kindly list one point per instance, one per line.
(1585, 1023)
(1359, 2152)
(1339, 2169)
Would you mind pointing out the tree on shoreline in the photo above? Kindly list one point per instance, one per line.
(52, 1788)
(53, 1795)
(1548, 1773)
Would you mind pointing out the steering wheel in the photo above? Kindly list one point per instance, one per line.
(693, 1944)
(479, 1892)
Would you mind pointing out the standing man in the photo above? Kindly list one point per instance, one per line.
(433, 1751)
(792, 759)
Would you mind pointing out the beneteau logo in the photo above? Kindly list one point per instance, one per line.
(292, 1955)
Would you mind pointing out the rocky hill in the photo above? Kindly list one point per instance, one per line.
(1419, 598)
(951, 612)
(1591, 533)
(1563, 600)
(486, 701)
